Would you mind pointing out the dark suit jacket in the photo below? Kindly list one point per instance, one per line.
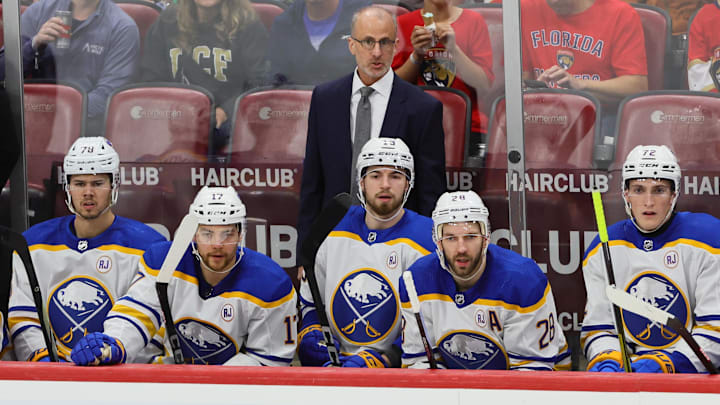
(411, 115)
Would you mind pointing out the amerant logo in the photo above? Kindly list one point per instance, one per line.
(660, 117)
(39, 107)
(265, 113)
(138, 112)
(545, 119)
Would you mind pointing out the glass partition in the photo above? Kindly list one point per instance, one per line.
(222, 97)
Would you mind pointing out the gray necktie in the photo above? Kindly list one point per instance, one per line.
(363, 120)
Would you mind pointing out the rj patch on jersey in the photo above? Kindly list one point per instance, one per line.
(661, 292)
(204, 343)
(472, 350)
(76, 306)
(364, 306)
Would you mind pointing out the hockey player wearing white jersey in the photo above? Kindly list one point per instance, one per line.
(230, 305)
(358, 266)
(84, 262)
(668, 259)
(482, 306)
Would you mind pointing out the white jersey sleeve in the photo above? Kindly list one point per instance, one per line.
(136, 318)
(23, 322)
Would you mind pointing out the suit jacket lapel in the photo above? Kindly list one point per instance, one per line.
(341, 139)
(395, 112)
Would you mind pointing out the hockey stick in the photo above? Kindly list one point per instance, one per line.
(633, 304)
(602, 231)
(17, 242)
(415, 306)
(321, 228)
(183, 237)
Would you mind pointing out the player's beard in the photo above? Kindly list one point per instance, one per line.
(219, 265)
(384, 209)
(470, 270)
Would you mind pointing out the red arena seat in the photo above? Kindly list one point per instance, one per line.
(54, 116)
(143, 13)
(395, 8)
(267, 11)
(686, 121)
(492, 13)
(456, 123)
(560, 130)
(161, 122)
(269, 125)
(657, 30)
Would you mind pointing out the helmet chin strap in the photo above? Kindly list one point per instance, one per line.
(361, 197)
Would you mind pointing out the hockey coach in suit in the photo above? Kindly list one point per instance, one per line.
(340, 114)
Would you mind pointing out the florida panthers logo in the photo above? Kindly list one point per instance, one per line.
(364, 306)
(658, 291)
(473, 351)
(204, 343)
(78, 306)
(565, 58)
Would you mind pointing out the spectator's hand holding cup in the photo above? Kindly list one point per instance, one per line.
(54, 29)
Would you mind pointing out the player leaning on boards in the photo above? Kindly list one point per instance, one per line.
(84, 262)
(666, 258)
(358, 265)
(483, 307)
(230, 305)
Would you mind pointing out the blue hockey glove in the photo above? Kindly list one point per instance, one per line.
(43, 356)
(368, 358)
(660, 361)
(311, 349)
(607, 366)
(97, 348)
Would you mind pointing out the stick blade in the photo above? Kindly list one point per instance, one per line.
(329, 217)
(633, 304)
(183, 236)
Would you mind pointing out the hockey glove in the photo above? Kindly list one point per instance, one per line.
(607, 366)
(312, 350)
(97, 348)
(660, 361)
(42, 355)
(368, 358)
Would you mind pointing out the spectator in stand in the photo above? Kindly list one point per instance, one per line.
(680, 11)
(703, 65)
(567, 43)
(451, 48)
(102, 55)
(215, 44)
(307, 44)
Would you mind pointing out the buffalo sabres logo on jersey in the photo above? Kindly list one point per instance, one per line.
(472, 350)
(78, 306)
(203, 343)
(658, 291)
(364, 306)
(565, 58)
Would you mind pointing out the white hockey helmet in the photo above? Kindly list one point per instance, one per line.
(91, 155)
(651, 162)
(219, 206)
(383, 151)
(458, 207)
